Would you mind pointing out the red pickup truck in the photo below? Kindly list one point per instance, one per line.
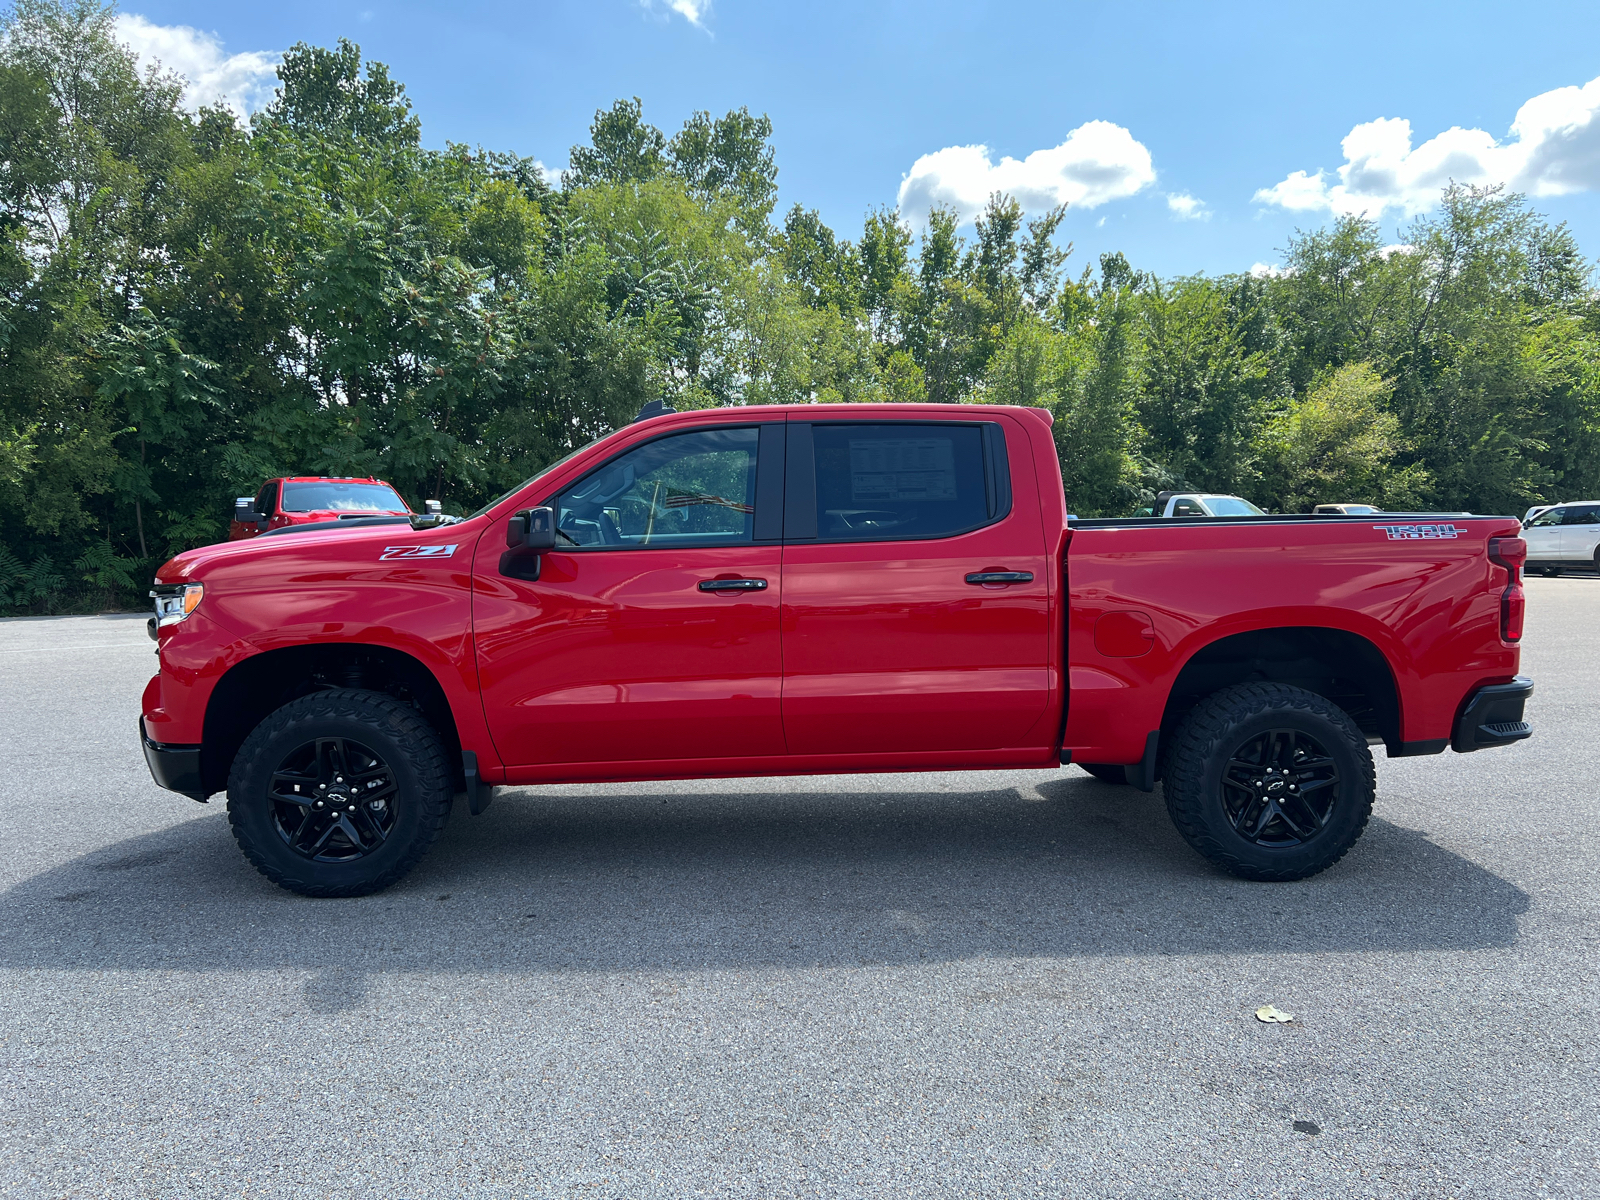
(312, 499)
(802, 590)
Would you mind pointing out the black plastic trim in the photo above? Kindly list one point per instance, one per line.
(768, 525)
(1492, 716)
(1142, 774)
(800, 485)
(479, 794)
(175, 767)
(1416, 749)
(997, 467)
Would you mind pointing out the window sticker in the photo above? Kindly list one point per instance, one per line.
(884, 470)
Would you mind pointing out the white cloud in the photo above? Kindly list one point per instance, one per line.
(1263, 270)
(692, 11)
(1553, 149)
(1098, 162)
(243, 82)
(1186, 208)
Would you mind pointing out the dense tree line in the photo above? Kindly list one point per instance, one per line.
(190, 304)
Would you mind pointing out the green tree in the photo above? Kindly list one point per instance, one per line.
(1339, 444)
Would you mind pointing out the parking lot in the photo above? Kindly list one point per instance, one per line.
(1002, 984)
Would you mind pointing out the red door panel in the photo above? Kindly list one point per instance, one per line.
(617, 656)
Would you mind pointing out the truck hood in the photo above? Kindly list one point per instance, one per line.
(195, 565)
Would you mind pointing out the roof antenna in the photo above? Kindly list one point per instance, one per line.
(655, 408)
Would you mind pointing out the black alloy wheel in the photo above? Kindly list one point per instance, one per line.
(1269, 781)
(339, 793)
(1280, 788)
(333, 800)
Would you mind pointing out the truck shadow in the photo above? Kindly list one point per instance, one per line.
(620, 880)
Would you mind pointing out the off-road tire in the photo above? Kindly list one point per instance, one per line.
(1105, 772)
(397, 734)
(1228, 722)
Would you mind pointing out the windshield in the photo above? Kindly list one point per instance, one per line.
(1232, 506)
(337, 495)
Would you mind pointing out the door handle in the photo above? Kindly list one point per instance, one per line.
(1000, 577)
(733, 585)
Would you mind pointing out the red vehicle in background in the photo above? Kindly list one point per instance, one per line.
(310, 500)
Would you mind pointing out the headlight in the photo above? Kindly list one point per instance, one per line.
(175, 601)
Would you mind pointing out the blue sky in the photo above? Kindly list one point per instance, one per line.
(1176, 130)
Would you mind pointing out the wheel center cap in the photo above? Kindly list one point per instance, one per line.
(1275, 786)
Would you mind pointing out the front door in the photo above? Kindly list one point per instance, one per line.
(652, 631)
(915, 593)
(1543, 535)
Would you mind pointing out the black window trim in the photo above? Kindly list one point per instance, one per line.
(764, 441)
(800, 498)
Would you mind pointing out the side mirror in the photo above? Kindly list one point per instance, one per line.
(528, 535)
(244, 511)
(435, 508)
(532, 530)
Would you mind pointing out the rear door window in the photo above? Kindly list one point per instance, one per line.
(887, 482)
(1582, 514)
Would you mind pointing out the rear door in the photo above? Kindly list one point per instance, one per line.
(915, 603)
(1580, 531)
(652, 631)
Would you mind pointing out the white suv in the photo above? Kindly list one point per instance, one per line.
(1563, 535)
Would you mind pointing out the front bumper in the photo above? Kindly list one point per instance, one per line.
(1493, 717)
(176, 768)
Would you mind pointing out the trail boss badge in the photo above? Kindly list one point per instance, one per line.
(1415, 533)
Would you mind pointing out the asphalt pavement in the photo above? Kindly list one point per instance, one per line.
(952, 985)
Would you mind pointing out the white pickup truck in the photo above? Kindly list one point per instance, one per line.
(1200, 504)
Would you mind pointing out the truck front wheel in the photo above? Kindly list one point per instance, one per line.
(339, 793)
(1270, 782)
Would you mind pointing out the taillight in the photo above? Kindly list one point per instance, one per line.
(1510, 553)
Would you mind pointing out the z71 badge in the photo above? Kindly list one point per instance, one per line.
(1412, 533)
(416, 552)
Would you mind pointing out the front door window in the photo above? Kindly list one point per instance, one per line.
(692, 489)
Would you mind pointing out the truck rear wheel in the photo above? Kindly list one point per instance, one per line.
(339, 793)
(1270, 782)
